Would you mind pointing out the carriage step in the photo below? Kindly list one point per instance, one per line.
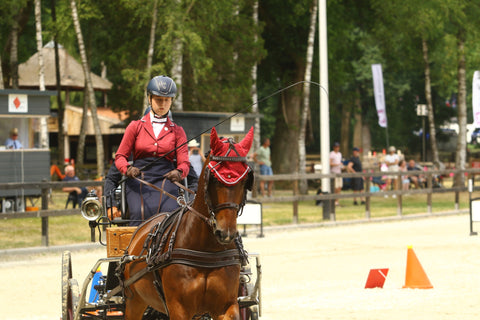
(246, 302)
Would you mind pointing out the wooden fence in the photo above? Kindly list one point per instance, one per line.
(327, 199)
(45, 190)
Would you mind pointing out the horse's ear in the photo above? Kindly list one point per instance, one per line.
(246, 142)
(214, 140)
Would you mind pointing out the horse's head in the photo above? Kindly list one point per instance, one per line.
(227, 179)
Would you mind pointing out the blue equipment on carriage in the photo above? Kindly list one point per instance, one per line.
(97, 279)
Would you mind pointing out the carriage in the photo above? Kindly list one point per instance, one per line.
(186, 264)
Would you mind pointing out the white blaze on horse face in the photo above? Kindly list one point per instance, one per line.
(226, 202)
(226, 227)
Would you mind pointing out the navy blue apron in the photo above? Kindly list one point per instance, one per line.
(151, 197)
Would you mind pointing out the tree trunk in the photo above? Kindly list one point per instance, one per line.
(461, 154)
(345, 130)
(61, 109)
(302, 163)
(366, 138)
(151, 46)
(104, 76)
(91, 93)
(14, 54)
(357, 127)
(1, 74)
(428, 96)
(177, 70)
(83, 130)
(254, 91)
(287, 127)
(38, 27)
(41, 72)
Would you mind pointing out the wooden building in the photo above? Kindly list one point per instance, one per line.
(198, 125)
(26, 111)
(72, 79)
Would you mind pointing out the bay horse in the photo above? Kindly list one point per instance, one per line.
(193, 262)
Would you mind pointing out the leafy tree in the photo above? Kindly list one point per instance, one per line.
(285, 34)
(89, 92)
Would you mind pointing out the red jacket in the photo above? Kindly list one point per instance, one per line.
(140, 140)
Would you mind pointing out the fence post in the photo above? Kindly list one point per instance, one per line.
(329, 205)
(429, 194)
(45, 219)
(295, 202)
(367, 198)
(399, 196)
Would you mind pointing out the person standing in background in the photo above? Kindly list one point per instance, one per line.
(392, 160)
(197, 159)
(263, 159)
(336, 167)
(354, 166)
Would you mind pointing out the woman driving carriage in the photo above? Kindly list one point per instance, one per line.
(160, 154)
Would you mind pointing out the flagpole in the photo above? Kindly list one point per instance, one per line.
(324, 106)
(386, 133)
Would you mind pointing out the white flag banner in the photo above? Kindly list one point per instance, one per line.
(476, 98)
(379, 95)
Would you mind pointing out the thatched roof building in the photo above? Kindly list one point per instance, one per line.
(71, 72)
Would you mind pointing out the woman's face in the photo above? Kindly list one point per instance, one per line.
(160, 105)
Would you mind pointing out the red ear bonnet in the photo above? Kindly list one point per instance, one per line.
(229, 172)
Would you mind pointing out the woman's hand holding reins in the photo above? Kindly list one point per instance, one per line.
(132, 172)
(174, 175)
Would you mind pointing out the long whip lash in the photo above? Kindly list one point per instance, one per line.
(228, 118)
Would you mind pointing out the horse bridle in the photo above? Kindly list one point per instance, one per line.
(213, 210)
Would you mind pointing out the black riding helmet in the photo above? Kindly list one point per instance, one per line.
(162, 86)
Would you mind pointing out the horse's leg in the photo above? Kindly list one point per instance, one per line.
(233, 313)
(134, 309)
(143, 293)
(178, 312)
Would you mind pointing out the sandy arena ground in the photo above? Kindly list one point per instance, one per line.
(316, 273)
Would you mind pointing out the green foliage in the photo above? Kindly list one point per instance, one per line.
(219, 49)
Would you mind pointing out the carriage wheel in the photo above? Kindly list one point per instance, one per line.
(69, 288)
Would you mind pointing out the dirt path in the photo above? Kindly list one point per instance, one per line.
(317, 273)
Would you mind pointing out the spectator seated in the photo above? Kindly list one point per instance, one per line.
(75, 194)
(380, 182)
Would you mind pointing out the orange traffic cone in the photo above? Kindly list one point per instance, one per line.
(415, 276)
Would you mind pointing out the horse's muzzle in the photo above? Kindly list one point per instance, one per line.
(224, 237)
